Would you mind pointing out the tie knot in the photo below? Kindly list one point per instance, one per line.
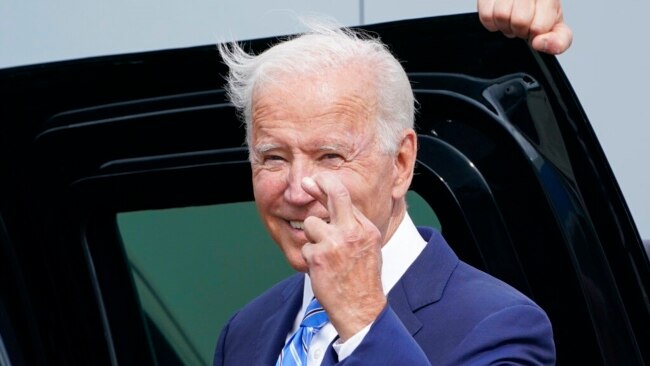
(315, 315)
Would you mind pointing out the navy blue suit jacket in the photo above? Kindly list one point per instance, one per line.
(441, 312)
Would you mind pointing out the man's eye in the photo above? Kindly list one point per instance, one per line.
(273, 158)
(332, 160)
(331, 156)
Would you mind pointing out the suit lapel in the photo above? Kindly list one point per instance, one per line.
(331, 357)
(425, 280)
(273, 332)
(398, 300)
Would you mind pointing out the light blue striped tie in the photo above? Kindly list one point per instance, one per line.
(295, 351)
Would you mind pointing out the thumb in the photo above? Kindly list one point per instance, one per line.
(554, 42)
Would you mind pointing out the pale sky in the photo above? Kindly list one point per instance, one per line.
(607, 63)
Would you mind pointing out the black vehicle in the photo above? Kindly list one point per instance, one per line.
(126, 200)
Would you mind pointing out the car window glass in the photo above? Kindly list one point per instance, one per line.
(193, 267)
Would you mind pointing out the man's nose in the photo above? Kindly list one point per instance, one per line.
(294, 193)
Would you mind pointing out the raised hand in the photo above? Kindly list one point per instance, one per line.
(344, 258)
(541, 22)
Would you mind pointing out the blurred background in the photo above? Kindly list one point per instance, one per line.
(607, 64)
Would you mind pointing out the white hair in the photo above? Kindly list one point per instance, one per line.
(324, 46)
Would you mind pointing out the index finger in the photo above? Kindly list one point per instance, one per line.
(331, 193)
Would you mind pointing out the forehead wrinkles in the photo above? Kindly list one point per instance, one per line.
(362, 108)
(314, 101)
(264, 110)
(345, 93)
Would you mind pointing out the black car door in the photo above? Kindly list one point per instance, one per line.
(115, 170)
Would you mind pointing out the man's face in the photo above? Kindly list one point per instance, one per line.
(311, 125)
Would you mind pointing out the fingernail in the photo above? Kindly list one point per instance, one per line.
(309, 182)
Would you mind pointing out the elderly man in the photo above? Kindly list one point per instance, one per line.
(329, 118)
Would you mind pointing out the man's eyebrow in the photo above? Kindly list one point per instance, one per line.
(331, 147)
(262, 148)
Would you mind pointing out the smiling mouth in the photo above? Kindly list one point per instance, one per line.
(300, 225)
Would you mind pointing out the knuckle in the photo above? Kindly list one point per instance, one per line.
(375, 235)
(340, 192)
(538, 28)
(501, 16)
(317, 259)
(354, 237)
(485, 18)
(519, 23)
(364, 236)
(314, 255)
(306, 253)
(347, 233)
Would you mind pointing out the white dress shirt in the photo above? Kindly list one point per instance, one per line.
(398, 254)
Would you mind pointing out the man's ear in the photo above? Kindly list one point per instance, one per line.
(404, 163)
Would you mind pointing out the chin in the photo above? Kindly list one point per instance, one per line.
(296, 261)
(298, 265)
(291, 247)
(302, 267)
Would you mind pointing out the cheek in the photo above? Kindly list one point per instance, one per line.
(267, 186)
(372, 191)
